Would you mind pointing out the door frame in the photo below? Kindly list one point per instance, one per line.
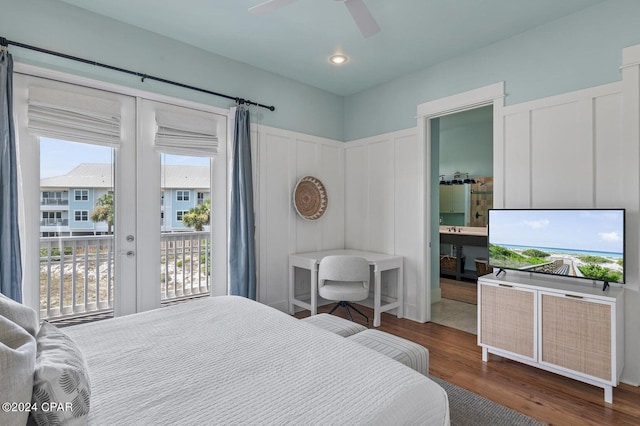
(493, 95)
(131, 301)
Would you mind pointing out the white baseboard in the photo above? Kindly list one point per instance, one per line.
(436, 295)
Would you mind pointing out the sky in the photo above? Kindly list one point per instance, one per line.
(58, 157)
(592, 230)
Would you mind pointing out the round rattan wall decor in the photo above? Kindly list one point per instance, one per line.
(310, 198)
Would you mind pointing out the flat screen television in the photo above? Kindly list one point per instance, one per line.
(577, 243)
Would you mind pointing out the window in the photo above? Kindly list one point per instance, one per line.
(53, 198)
(179, 214)
(200, 198)
(81, 194)
(81, 215)
(182, 195)
(51, 218)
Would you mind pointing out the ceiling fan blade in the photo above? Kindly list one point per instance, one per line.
(364, 19)
(268, 6)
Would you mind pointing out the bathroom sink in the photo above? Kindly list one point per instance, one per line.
(463, 230)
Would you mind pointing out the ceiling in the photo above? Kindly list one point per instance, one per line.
(297, 40)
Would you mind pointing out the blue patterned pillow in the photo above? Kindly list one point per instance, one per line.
(61, 387)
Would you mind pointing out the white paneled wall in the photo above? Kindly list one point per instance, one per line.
(383, 202)
(565, 150)
(281, 158)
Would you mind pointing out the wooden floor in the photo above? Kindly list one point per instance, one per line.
(455, 357)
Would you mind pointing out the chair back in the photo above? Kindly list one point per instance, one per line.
(343, 268)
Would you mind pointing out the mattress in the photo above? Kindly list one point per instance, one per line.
(230, 360)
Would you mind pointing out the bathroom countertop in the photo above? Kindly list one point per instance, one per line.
(464, 230)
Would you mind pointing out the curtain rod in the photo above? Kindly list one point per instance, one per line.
(4, 42)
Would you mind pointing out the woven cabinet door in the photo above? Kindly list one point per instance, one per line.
(576, 335)
(507, 319)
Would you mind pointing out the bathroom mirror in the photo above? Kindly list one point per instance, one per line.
(466, 204)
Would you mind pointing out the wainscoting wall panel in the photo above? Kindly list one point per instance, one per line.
(280, 159)
(408, 205)
(384, 202)
(516, 165)
(559, 150)
(610, 146)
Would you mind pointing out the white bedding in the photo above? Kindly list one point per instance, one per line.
(229, 360)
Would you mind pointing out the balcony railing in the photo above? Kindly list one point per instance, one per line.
(77, 273)
(54, 222)
(54, 201)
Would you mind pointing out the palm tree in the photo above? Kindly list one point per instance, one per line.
(104, 211)
(198, 216)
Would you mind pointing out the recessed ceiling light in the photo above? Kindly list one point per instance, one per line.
(338, 59)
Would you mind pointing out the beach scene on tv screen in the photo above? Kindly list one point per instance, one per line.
(578, 243)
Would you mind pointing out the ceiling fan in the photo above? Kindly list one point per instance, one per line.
(359, 11)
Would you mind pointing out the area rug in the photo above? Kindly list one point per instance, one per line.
(469, 409)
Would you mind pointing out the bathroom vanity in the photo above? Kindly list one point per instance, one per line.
(460, 237)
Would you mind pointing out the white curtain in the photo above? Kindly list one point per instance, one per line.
(70, 116)
(186, 132)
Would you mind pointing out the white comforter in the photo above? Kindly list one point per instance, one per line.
(229, 360)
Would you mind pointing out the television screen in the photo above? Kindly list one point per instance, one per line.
(577, 243)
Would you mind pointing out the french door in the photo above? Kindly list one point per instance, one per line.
(97, 205)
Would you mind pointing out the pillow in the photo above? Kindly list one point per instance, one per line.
(61, 380)
(20, 314)
(17, 361)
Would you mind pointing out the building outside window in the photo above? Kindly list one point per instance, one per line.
(51, 218)
(81, 215)
(182, 195)
(81, 194)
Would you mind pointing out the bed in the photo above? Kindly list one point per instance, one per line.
(230, 360)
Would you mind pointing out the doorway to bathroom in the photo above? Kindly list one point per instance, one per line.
(465, 192)
(460, 135)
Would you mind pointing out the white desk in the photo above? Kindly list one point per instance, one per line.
(381, 262)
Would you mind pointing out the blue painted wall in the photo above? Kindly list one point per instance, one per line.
(61, 27)
(466, 143)
(180, 205)
(575, 52)
(75, 205)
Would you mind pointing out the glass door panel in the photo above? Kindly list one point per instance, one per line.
(185, 235)
(77, 255)
(76, 148)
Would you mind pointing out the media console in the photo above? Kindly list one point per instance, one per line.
(568, 328)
